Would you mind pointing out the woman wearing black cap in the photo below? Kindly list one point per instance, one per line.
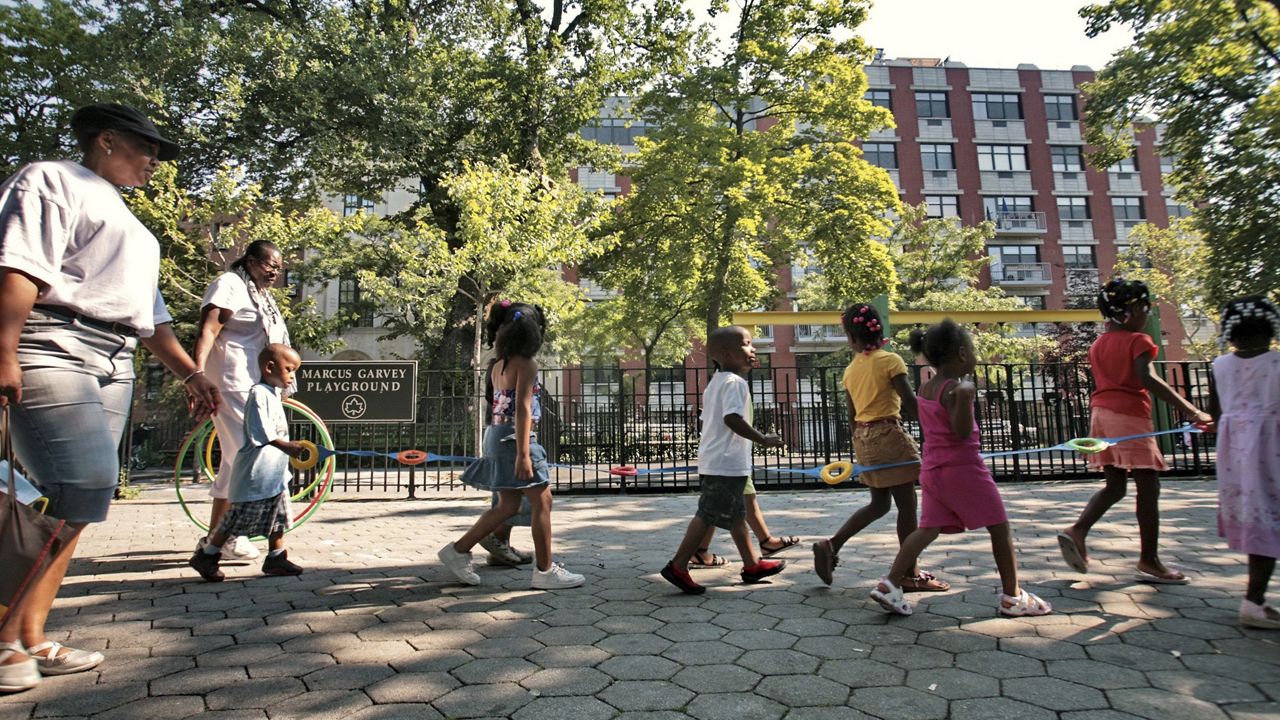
(78, 292)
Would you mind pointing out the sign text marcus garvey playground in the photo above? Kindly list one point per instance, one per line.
(360, 391)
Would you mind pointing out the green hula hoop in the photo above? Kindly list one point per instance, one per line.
(1087, 445)
(197, 437)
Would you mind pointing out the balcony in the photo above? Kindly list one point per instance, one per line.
(1082, 282)
(1000, 130)
(1077, 230)
(1064, 131)
(940, 180)
(820, 334)
(1072, 181)
(1021, 274)
(1125, 182)
(1020, 223)
(1006, 182)
(935, 129)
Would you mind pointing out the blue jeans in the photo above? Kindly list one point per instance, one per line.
(77, 384)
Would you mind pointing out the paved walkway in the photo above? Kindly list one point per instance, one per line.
(375, 629)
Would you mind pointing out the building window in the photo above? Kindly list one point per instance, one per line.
(615, 131)
(932, 105)
(292, 287)
(1128, 208)
(879, 98)
(1127, 165)
(1176, 210)
(1015, 254)
(349, 302)
(1166, 163)
(883, 155)
(937, 157)
(352, 204)
(1002, 157)
(1066, 158)
(1033, 302)
(1079, 256)
(991, 205)
(1060, 107)
(990, 106)
(940, 206)
(1073, 208)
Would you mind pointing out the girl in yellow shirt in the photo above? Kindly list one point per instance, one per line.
(876, 387)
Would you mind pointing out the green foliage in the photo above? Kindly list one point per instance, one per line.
(1209, 70)
(307, 98)
(182, 222)
(1174, 262)
(752, 159)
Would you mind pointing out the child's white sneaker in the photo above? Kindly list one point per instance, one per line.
(555, 578)
(1263, 617)
(240, 548)
(459, 564)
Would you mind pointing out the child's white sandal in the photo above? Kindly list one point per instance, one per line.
(1025, 604)
(892, 599)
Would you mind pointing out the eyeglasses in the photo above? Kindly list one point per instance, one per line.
(272, 267)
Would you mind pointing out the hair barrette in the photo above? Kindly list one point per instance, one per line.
(517, 315)
(504, 303)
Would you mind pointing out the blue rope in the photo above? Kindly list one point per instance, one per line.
(859, 469)
(812, 471)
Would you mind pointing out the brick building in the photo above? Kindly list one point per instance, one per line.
(996, 144)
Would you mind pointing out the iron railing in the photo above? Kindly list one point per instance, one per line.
(595, 419)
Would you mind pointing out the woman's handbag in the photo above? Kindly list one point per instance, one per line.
(28, 540)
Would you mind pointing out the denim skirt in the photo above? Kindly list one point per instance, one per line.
(496, 468)
(77, 383)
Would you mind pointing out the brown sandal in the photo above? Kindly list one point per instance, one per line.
(924, 582)
(704, 558)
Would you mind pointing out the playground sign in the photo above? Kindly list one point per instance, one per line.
(360, 391)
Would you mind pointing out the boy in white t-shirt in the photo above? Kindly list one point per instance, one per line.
(724, 461)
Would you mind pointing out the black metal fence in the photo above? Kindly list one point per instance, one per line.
(595, 419)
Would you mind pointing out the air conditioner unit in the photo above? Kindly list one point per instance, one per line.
(1069, 176)
(933, 123)
(1064, 125)
(999, 124)
(941, 173)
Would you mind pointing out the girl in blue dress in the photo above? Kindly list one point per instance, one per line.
(512, 463)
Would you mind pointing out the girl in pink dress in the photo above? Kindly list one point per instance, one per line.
(1246, 404)
(958, 492)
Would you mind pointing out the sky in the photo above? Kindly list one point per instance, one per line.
(983, 33)
(990, 33)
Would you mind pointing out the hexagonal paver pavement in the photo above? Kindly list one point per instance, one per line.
(375, 629)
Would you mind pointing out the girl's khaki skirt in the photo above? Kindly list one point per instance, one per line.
(885, 442)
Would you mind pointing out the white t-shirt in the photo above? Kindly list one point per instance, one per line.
(67, 227)
(233, 360)
(722, 451)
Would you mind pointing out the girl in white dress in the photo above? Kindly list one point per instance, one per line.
(1246, 403)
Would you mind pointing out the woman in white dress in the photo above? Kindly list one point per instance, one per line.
(238, 318)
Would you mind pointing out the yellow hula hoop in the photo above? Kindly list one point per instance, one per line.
(311, 458)
(837, 472)
(1088, 445)
(208, 454)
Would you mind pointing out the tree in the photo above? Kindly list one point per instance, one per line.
(1174, 262)
(752, 158)
(307, 98)
(1210, 71)
(183, 223)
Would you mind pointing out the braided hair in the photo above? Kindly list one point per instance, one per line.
(1117, 297)
(862, 323)
(525, 325)
(939, 343)
(1248, 318)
